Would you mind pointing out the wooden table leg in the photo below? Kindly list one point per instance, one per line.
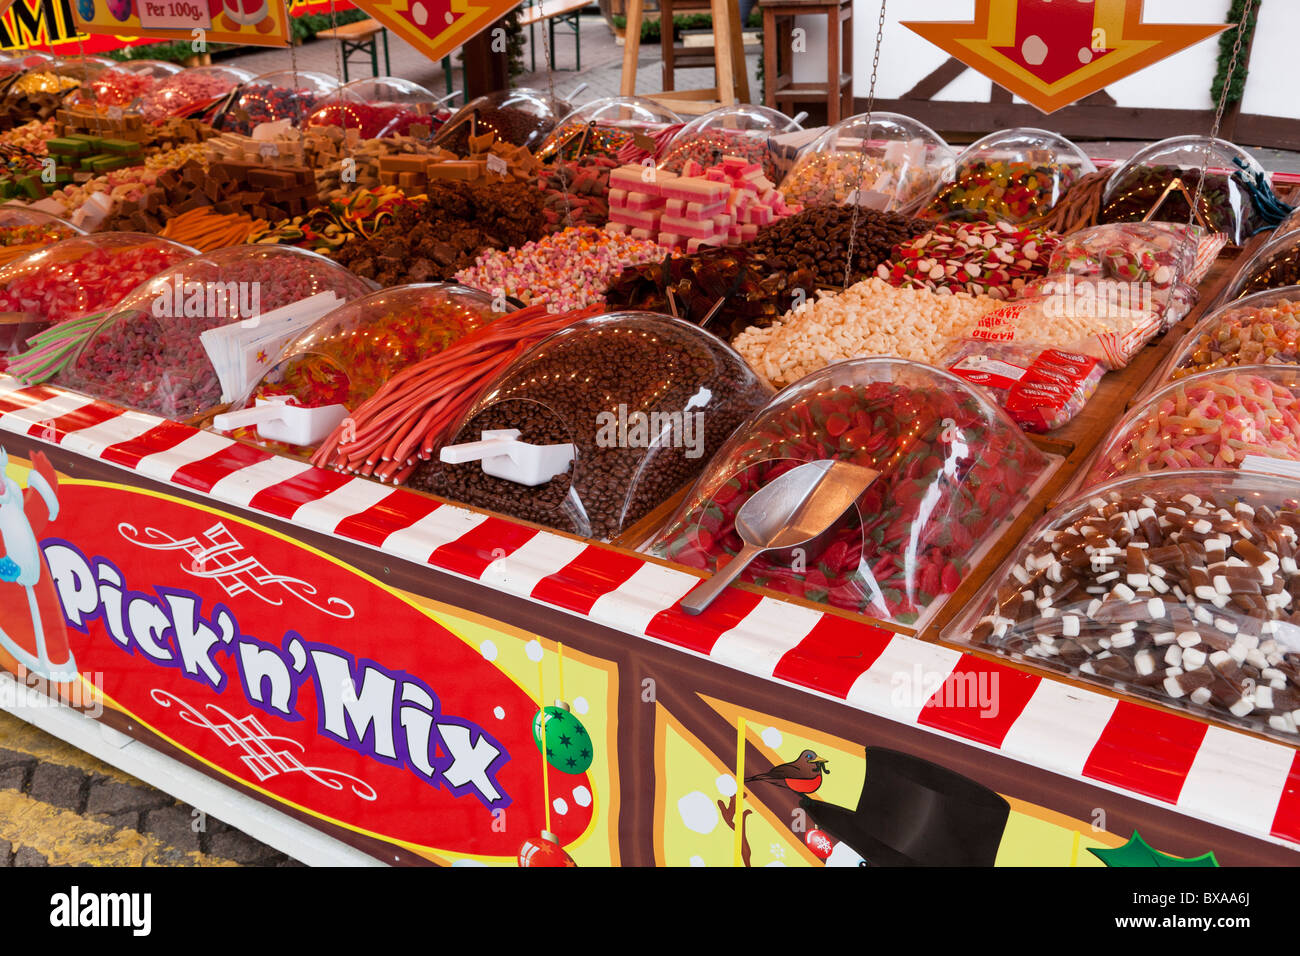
(737, 51)
(770, 42)
(631, 48)
(722, 50)
(847, 12)
(666, 42)
(834, 99)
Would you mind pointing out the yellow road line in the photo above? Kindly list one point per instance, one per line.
(67, 839)
(16, 734)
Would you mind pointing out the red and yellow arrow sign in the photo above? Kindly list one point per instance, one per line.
(436, 27)
(1053, 53)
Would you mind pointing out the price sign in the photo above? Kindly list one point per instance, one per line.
(260, 22)
(174, 15)
(496, 164)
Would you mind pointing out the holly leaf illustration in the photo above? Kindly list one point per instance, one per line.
(1138, 853)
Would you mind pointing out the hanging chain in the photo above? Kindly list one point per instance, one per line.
(559, 157)
(862, 155)
(338, 72)
(1218, 118)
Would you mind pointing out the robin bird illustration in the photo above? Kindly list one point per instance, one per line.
(803, 774)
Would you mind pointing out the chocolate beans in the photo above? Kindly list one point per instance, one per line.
(644, 399)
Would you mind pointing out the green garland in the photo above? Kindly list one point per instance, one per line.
(1227, 39)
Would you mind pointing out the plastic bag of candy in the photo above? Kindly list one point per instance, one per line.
(1040, 388)
(1139, 265)
(1109, 332)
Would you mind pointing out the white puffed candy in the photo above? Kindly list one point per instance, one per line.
(1173, 688)
(1264, 697)
(1122, 639)
(1242, 707)
(1156, 607)
(1162, 638)
(1174, 655)
(1070, 625)
(1200, 696)
(1193, 658)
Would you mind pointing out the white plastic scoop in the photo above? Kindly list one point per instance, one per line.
(276, 420)
(505, 456)
(795, 510)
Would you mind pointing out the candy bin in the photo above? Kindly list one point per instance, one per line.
(1173, 587)
(897, 161)
(1215, 419)
(521, 117)
(42, 79)
(605, 127)
(77, 277)
(1276, 264)
(24, 230)
(146, 354)
(1012, 176)
(1159, 183)
(378, 107)
(598, 425)
(347, 355)
(1138, 265)
(83, 69)
(1261, 329)
(283, 95)
(191, 92)
(743, 131)
(953, 469)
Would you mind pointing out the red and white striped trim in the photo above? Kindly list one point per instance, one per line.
(1229, 778)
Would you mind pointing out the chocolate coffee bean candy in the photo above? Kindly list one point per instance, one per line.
(644, 400)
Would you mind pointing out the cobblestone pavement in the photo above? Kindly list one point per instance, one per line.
(62, 807)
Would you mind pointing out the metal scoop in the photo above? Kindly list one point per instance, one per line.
(793, 511)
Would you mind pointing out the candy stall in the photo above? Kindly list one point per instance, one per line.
(552, 484)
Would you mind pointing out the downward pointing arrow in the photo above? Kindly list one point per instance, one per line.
(1036, 48)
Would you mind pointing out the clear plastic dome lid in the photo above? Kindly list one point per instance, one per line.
(1261, 329)
(20, 217)
(348, 354)
(1173, 587)
(29, 59)
(155, 68)
(1133, 265)
(521, 117)
(605, 126)
(743, 131)
(191, 91)
(1163, 177)
(81, 68)
(1275, 264)
(1211, 420)
(115, 87)
(952, 469)
(1013, 175)
(41, 78)
(377, 107)
(642, 399)
(281, 95)
(147, 354)
(84, 274)
(24, 230)
(896, 161)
